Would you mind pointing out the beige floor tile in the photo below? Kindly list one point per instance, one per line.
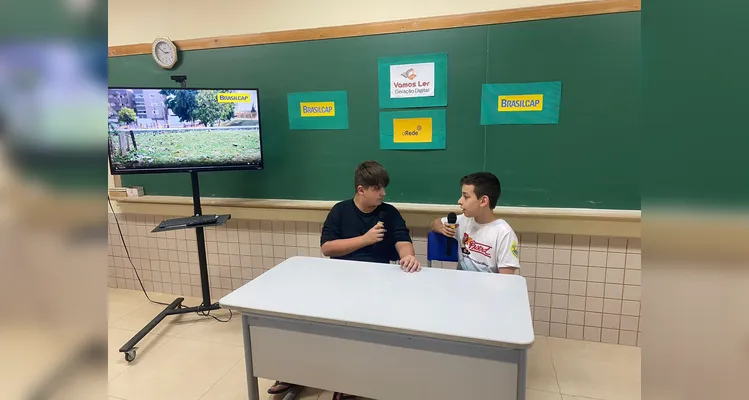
(208, 329)
(116, 360)
(182, 369)
(122, 302)
(541, 375)
(233, 386)
(568, 397)
(532, 394)
(596, 370)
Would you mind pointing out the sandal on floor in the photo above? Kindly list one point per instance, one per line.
(281, 387)
(341, 396)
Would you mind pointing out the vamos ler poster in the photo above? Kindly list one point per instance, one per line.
(413, 81)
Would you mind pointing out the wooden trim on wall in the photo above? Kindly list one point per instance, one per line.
(574, 221)
(400, 26)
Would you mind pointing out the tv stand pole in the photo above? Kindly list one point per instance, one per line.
(176, 306)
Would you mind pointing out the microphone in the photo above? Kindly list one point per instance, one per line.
(451, 220)
(381, 218)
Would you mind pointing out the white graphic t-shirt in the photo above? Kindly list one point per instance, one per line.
(485, 247)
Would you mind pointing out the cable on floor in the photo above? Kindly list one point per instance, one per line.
(140, 282)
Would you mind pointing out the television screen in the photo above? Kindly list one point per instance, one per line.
(179, 130)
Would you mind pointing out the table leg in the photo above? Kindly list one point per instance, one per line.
(522, 372)
(252, 387)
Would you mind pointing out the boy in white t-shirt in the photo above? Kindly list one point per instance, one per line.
(487, 243)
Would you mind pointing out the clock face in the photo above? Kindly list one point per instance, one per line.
(165, 53)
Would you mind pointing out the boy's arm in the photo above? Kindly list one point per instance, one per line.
(403, 244)
(331, 244)
(440, 225)
(507, 254)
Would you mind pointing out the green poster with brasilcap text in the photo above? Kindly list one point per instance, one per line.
(520, 103)
(318, 110)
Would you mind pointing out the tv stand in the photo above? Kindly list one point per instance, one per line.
(176, 307)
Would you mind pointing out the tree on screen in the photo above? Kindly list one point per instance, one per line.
(182, 103)
(126, 116)
(209, 110)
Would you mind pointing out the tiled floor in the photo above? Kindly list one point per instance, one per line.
(193, 357)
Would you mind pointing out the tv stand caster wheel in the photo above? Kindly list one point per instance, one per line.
(130, 355)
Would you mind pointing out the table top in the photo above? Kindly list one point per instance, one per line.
(456, 305)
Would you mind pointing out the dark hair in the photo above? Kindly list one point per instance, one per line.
(371, 173)
(484, 184)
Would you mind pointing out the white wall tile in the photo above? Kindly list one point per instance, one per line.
(561, 286)
(633, 277)
(560, 301)
(562, 256)
(597, 259)
(559, 315)
(633, 245)
(592, 334)
(529, 240)
(558, 330)
(631, 292)
(599, 243)
(542, 314)
(546, 240)
(629, 323)
(578, 288)
(561, 271)
(544, 255)
(628, 338)
(614, 275)
(544, 270)
(613, 291)
(611, 321)
(595, 289)
(542, 300)
(612, 306)
(579, 257)
(541, 328)
(563, 241)
(616, 260)
(578, 273)
(617, 245)
(574, 332)
(594, 304)
(631, 308)
(633, 261)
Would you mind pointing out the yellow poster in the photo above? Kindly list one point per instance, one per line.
(412, 130)
(524, 102)
(317, 109)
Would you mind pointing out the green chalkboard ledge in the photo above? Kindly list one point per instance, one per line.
(576, 221)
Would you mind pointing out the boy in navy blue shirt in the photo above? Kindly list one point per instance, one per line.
(366, 229)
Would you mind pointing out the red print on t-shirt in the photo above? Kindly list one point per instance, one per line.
(470, 245)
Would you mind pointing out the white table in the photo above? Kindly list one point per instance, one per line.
(375, 331)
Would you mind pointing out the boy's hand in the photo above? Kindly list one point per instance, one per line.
(448, 230)
(409, 263)
(374, 235)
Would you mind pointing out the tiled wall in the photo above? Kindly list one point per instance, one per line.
(580, 287)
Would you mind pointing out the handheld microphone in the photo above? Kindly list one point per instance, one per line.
(451, 220)
(381, 218)
(381, 222)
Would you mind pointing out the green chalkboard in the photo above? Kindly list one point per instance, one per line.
(587, 160)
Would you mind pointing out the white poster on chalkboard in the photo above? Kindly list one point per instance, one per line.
(412, 80)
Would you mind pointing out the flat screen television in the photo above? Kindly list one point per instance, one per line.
(183, 130)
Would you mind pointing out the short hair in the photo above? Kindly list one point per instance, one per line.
(484, 184)
(371, 173)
